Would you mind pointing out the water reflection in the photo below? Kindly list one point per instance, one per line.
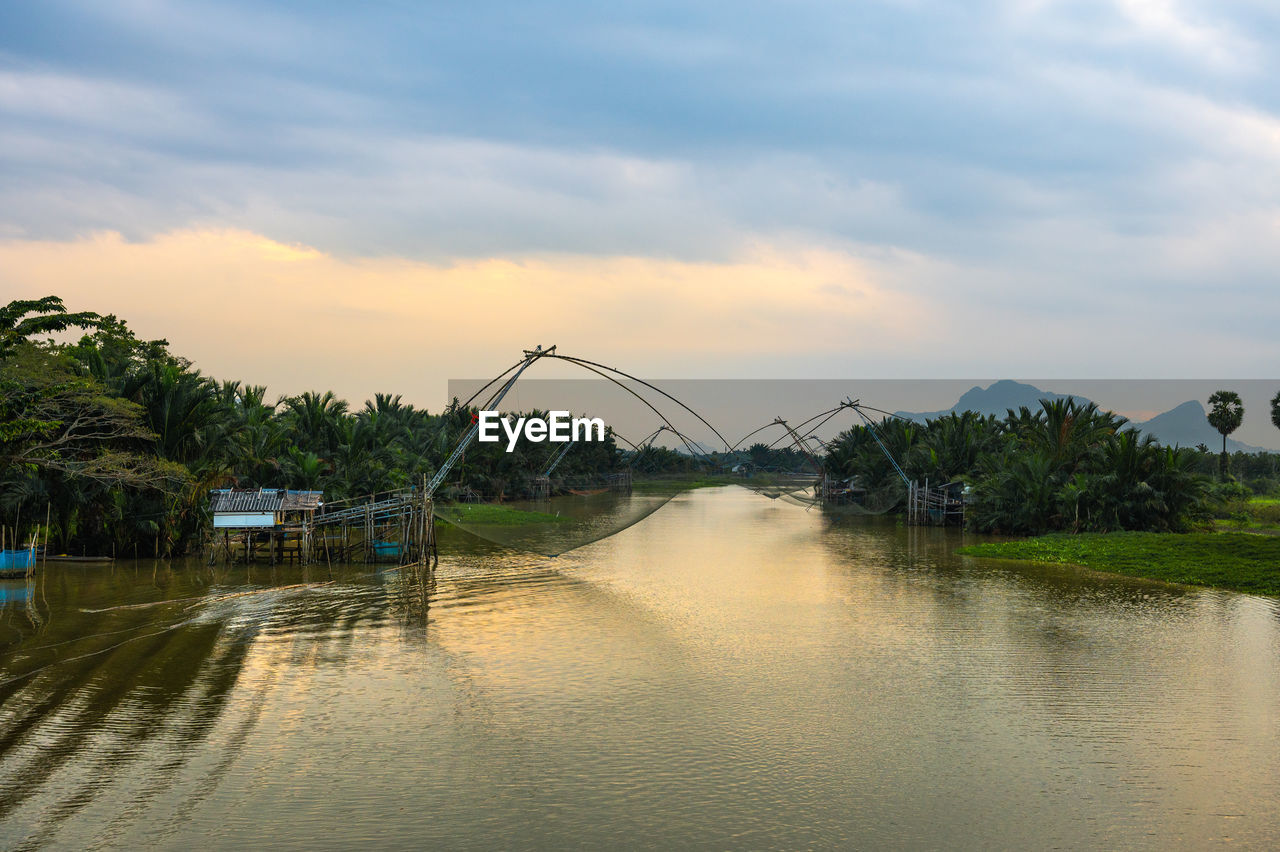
(109, 668)
(730, 672)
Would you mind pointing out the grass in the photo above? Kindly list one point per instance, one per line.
(1239, 561)
(495, 515)
(650, 486)
(1257, 514)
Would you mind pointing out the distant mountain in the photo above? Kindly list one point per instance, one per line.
(1187, 426)
(1184, 425)
(997, 399)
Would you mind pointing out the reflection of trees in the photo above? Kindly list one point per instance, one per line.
(140, 695)
(1050, 636)
(126, 678)
(97, 689)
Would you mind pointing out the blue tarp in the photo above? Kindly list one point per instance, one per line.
(20, 560)
(12, 592)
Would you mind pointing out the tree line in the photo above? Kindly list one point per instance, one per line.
(116, 441)
(113, 443)
(1067, 465)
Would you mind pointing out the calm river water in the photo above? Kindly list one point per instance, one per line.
(730, 673)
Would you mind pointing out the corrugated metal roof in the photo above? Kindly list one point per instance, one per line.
(227, 500)
(302, 501)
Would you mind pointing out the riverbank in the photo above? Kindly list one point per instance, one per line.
(496, 515)
(663, 485)
(1257, 515)
(1239, 561)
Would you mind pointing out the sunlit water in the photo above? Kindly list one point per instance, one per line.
(731, 672)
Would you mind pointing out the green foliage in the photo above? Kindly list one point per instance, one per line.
(1226, 413)
(122, 440)
(1228, 497)
(1266, 514)
(23, 319)
(662, 486)
(493, 515)
(1240, 561)
(1066, 466)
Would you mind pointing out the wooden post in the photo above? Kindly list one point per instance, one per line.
(31, 555)
(430, 555)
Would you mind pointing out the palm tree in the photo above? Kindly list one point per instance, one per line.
(953, 444)
(1275, 410)
(315, 421)
(304, 470)
(1068, 432)
(1018, 493)
(1226, 413)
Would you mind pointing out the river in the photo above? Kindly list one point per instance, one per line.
(731, 672)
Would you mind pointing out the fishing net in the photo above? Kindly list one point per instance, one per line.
(779, 485)
(842, 498)
(577, 511)
(569, 516)
(548, 499)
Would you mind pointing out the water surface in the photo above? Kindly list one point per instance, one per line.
(731, 672)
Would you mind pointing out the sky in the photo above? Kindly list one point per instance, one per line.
(384, 196)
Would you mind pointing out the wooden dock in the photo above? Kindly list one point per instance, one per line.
(938, 506)
(393, 526)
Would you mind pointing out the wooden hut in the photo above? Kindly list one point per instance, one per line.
(281, 519)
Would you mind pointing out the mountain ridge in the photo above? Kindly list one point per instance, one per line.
(1183, 425)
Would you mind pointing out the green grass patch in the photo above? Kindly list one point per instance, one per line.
(1245, 524)
(1265, 511)
(497, 515)
(652, 486)
(1239, 561)
(1259, 514)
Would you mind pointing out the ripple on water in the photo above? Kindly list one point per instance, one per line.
(728, 673)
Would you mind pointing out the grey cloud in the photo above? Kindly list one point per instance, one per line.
(1052, 158)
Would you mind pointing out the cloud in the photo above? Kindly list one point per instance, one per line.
(244, 306)
(1037, 164)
